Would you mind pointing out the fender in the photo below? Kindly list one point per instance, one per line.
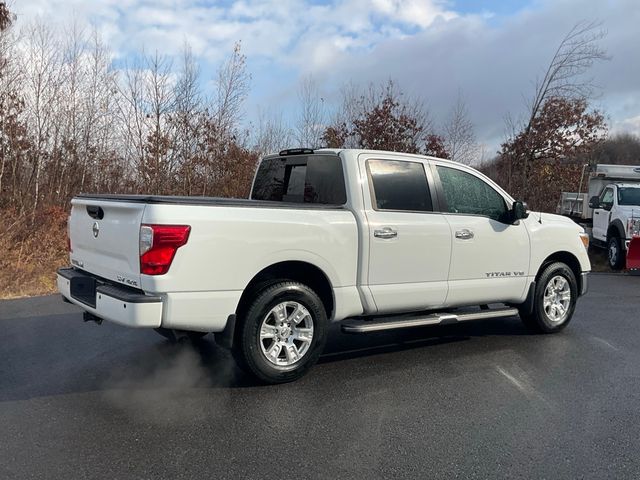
(617, 224)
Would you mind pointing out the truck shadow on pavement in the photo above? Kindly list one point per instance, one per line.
(110, 358)
(345, 347)
(202, 364)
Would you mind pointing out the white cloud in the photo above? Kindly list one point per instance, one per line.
(431, 50)
(627, 125)
(415, 12)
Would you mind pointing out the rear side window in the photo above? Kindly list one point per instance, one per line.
(301, 179)
(399, 185)
(466, 193)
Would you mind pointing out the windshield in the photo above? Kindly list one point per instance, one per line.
(629, 196)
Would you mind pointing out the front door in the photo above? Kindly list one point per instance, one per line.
(409, 243)
(601, 215)
(490, 255)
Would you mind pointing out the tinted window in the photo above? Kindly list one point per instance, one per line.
(629, 196)
(399, 185)
(302, 179)
(466, 193)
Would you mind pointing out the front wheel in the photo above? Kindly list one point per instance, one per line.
(282, 333)
(615, 253)
(555, 299)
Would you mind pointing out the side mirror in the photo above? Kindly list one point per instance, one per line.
(594, 202)
(518, 211)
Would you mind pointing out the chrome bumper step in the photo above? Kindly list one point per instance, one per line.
(404, 321)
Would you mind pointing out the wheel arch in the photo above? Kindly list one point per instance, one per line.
(294, 270)
(616, 228)
(568, 259)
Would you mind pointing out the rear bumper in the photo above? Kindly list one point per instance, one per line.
(111, 302)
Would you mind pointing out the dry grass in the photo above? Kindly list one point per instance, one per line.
(33, 248)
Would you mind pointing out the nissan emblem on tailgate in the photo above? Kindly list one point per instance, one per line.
(96, 229)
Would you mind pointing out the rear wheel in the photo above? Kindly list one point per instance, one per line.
(554, 299)
(615, 253)
(282, 333)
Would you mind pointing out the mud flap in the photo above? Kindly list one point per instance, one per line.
(633, 256)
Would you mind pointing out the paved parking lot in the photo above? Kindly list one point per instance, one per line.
(480, 400)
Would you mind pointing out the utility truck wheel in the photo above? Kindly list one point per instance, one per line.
(554, 299)
(282, 333)
(615, 253)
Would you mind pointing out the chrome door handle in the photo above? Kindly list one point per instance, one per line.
(386, 232)
(464, 234)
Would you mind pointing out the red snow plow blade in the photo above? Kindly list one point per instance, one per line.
(633, 256)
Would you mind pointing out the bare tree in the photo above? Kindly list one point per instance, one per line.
(160, 100)
(272, 134)
(98, 133)
(186, 119)
(132, 120)
(43, 80)
(459, 136)
(232, 89)
(8, 86)
(564, 79)
(312, 117)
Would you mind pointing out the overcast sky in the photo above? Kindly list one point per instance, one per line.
(490, 50)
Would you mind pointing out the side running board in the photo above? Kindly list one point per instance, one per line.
(404, 321)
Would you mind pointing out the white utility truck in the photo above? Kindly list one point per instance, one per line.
(374, 240)
(610, 206)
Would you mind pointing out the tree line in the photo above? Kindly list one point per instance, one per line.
(70, 122)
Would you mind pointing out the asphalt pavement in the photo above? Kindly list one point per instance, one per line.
(478, 400)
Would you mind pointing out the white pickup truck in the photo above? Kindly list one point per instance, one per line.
(375, 240)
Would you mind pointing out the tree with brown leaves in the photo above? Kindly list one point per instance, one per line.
(559, 123)
(383, 119)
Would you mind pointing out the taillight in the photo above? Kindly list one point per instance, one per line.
(158, 245)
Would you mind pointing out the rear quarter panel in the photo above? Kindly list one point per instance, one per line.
(228, 246)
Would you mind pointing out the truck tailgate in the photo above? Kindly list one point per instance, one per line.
(105, 238)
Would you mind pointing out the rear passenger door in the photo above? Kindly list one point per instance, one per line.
(490, 255)
(409, 242)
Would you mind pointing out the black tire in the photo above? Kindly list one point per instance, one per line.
(615, 253)
(174, 336)
(247, 349)
(539, 319)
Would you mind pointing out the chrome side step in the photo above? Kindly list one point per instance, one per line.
(404, 321)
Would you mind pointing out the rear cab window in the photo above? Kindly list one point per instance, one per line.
(315, 179)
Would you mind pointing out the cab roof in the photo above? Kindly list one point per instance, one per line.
(354, 152)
